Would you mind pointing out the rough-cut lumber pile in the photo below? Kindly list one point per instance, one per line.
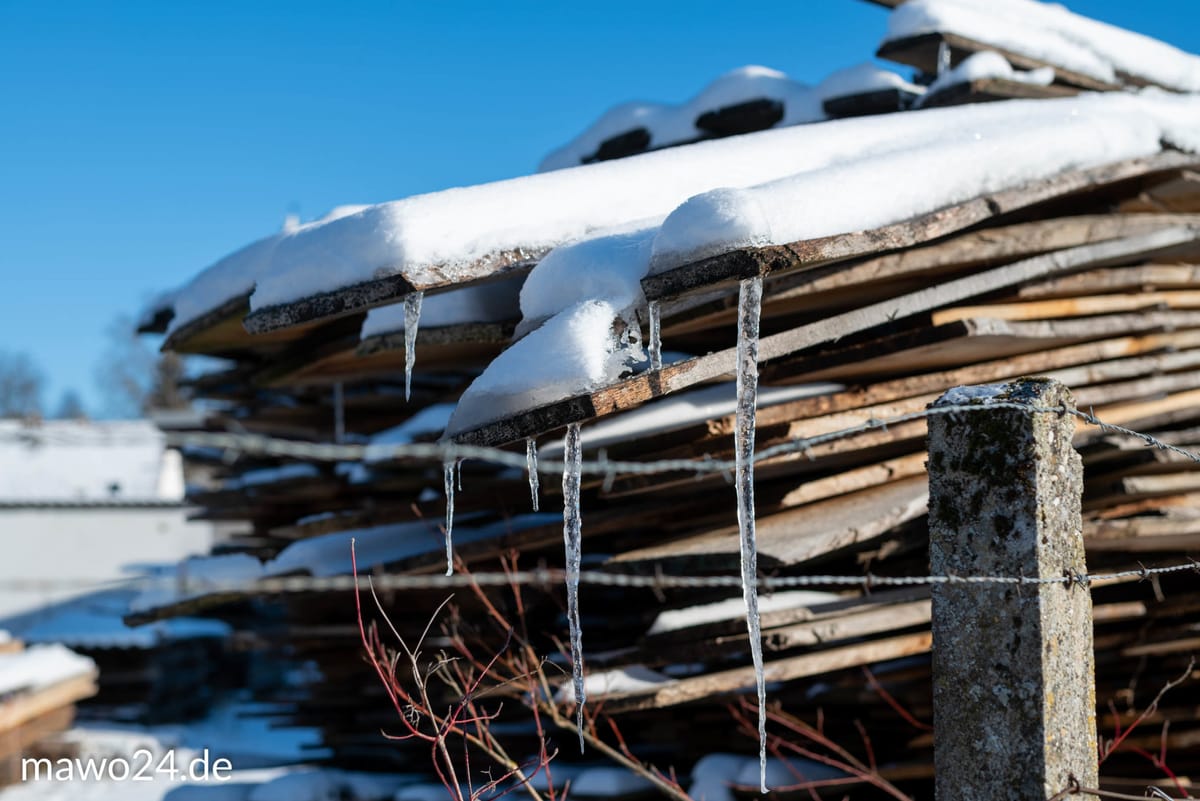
(1090, 276)
(39, 688)
(1104, 301)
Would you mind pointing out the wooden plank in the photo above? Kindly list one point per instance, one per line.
(775, 259)
(673, 378)
(967, 342)
(1072, 307)
(682, 691)
(15, 741)
(987, 90)
(26, 707)
(1141, 277)
(797, 535)
(841, 284)
(921, 51)
(1180, 193)
(390, 289)
(387, 290)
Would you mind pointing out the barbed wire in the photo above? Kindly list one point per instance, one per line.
(447, 452)
(186, 585)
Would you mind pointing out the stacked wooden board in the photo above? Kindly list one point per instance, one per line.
(39, 688)
(1088, 276)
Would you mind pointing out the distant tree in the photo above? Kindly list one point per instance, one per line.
(134, 379)
(70, 407)
(21, 384)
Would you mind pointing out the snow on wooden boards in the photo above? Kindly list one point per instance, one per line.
(988, 90)
(387, 290)
(678, 376)
(776, 259)
(922, 52)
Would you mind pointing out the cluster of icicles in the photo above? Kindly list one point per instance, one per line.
(749, 312)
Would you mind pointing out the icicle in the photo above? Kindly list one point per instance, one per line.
(339, 413)
(531, 467)
(572, 525)
(448, 471)
(749, 311)
(943, 59)
(412, 319)
(458, 472)
(655, 336)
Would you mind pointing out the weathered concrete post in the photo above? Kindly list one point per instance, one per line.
(1013, 668)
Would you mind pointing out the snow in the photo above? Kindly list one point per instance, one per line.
(198, 576)
(1051, 33)
(863, 78)
(675, 124)
(569, 354)
(90, 627)
(988, 64)
(606, 782)
(629, 679)
(715, 775)
(323, 784)
(84, 461)
(272, 475)
(427, 236)
(609, 265)
(491, 302)
(236, 274)
(431, 420)
(674, 619)
(961, 396)
(329, 554)
(948, 156)
(41, 666)
(5, 637)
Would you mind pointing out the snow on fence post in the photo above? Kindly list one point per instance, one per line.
(1013, 665)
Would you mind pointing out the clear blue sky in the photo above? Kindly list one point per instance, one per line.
(140, 141)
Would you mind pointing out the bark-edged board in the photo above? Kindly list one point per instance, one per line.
(634, 391)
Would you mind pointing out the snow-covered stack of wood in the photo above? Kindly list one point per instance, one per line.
(897, 255)
(39, 687)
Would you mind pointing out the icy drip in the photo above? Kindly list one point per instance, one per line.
(749, 311)
(448, 471)
(572, 535)
(532, 468)
(655, 335)
(412, 319)
(943, 59)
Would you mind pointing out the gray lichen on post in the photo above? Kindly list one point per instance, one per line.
(1013, 665)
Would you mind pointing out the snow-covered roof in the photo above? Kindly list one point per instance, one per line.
(82, 463)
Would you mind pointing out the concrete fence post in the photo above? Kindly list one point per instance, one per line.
(1013, 667)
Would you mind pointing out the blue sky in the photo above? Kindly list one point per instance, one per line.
(141, 141)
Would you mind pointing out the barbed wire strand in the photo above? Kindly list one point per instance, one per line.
(550, 577)
(442, 452)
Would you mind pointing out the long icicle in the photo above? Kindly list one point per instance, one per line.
(412, 321)
(448, 471)
(572, 542)
(749, 312)
(532, 468)
(655, 335)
